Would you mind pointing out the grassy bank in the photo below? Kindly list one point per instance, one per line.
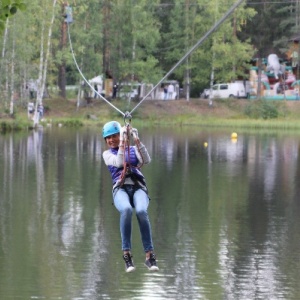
(223, 113)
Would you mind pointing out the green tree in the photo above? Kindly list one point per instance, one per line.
(225, 42)
(133, 41)
(272, 27)
(289, 25)
(8, 8)
(87, 38)
(142, 40)
(189, 21)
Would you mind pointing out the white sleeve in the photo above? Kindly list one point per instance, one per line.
(142, 154)
(113, 160)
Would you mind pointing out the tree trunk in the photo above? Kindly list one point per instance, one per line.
(106, 46)
(62, 67)
(12, 81)
(48, 50)
(5, 39)
(259, 79)
(3, 63)
(43, 65)
(187, 68)
(212, 78)
(39, 95)
(187, 81)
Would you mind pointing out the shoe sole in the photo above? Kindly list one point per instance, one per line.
(153, 268)
(130, 269)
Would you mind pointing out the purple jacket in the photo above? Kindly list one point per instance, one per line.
(133, 162)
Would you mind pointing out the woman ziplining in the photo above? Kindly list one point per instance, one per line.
(124, 162)
(129, 188)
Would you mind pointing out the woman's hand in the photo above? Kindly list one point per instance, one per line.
(123, 134)
(134, 133)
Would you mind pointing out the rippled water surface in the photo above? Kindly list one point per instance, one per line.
(225, 217)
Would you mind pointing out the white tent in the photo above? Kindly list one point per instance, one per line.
(97, 83)
(96, 80)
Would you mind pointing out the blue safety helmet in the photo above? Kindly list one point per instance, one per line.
(111, 128)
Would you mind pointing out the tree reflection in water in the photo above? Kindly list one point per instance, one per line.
(225, 217)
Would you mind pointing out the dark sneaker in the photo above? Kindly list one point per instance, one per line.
(129, 267)
(151, 263)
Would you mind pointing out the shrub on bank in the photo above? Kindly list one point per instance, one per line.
(263, 109)
(13, 125)
(68, 123)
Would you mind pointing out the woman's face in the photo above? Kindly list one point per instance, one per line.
(113, 140)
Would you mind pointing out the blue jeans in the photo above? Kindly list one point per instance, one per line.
(126, 199)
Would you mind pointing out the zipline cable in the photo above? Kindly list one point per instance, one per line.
(74, 58)
(214, 28)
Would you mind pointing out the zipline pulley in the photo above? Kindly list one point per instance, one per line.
(68, 14)
(127, 118)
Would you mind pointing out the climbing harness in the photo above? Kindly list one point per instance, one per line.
(127, 165)
(126, 115)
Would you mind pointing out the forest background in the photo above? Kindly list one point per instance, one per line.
(136, 40)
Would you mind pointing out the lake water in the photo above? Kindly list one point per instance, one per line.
(225, 217)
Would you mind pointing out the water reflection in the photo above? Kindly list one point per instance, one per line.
(225, 217)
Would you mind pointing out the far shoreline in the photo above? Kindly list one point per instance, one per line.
(230, 113)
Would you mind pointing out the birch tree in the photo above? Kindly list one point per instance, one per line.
(44, 57)
(3, 65)
(12, 80)
(15, 41)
